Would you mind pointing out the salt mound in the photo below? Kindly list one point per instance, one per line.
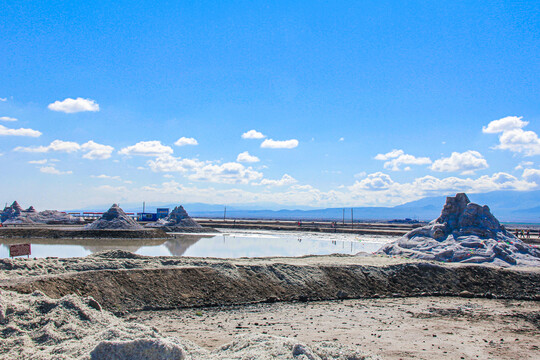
(114, 218)
(176, 220)
(34, 326)
(467, 233)
(15, 214)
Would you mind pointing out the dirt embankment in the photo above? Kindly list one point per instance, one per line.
(139, 283)
(56, 233)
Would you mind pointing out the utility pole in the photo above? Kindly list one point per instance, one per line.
(224, 213)
(143, 206)
(343, 216)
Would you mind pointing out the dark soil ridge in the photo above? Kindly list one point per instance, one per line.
(224, 283)
(36, 232)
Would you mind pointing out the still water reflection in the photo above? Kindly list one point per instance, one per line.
(231, 243)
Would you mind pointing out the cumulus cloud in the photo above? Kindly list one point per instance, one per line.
(513, 137)
(390, 155)
(520, 141)
(93, 150)
(194, 169)
(467, 163)
(147, 148)
(246, 157)
(70, 106)
(3, 99)
(375, 181)
(396, 158)
(253, 134)
(96, 151)
(186, 141)
(7, 118)
(532, 175)
(54, 171)
(341, 139)
(4, 131)
(504, 124)
(286, 179)
(279, 144)
(56, 145)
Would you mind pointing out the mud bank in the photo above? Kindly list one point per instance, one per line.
(123, 282)
(43, 232)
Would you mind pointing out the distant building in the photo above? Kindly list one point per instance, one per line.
(162, 212)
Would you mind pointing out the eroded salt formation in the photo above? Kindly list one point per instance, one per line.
(34, 326)
(15, 214)
(177, 220)
(114, 218)
(467, 233)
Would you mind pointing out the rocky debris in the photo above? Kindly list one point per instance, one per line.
(38, 327)
(15, 215)
(465, 232)
(114, 218)
(177, 221)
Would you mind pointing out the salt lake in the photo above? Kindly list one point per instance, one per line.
(229, 243)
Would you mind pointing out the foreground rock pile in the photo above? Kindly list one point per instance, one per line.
(114, 218)
(465, 232)
(73, 327)
(177, 221)
(16, 215)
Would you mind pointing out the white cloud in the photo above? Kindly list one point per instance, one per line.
(390, 155)
(93, 149)
(524, 164)
(532, 175)
(467, 162)
(147, 148)
(3, 99)
(70, 106)
(56, 145)
(246, 157)
(253, 134)
(513, 137)
(504, 124)
(18, 132)
(517, 140)
(7, 118)
(375, 181)
(38, 162)
(96, 151)
(194, 169)
(341, 139)
(103, 176)
(286, 179)
(168, 176)
(168, 163)
(395, 158)
(53, 170)
(279, 144)
(186, 141)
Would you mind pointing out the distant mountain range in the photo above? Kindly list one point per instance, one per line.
(507, 206)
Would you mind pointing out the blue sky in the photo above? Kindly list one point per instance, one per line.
(351, 103)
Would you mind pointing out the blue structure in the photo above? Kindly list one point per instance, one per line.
(162, 212)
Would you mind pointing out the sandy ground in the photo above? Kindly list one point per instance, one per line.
(404, 328)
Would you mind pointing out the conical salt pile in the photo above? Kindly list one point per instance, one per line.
(11, 212)
(467, 233)
(177, 220)
(114, 218)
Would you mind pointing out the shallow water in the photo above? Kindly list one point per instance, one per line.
(230, 243)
